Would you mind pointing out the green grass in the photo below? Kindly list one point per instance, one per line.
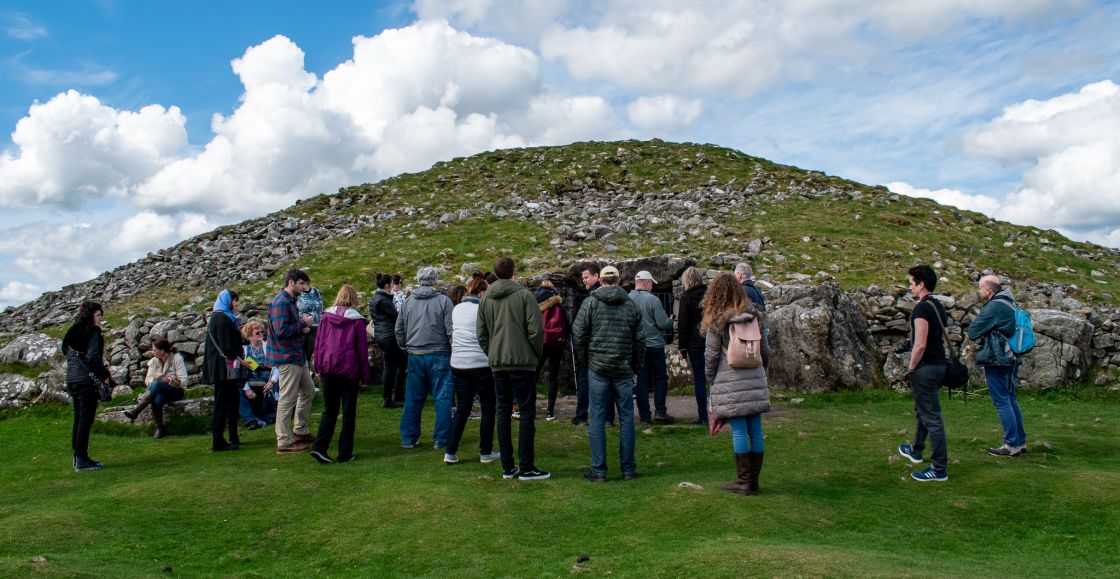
(22, 369)
(834, 502)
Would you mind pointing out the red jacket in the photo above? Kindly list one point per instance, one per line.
(341, 347)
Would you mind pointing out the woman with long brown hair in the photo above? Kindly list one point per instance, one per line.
(739, 392)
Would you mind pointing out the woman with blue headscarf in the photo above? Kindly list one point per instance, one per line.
(221, 368)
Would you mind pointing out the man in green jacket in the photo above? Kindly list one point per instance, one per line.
(509, 331)
(609, 340)
(992, 327)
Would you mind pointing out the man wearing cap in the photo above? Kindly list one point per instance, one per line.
(655, 325)
(423, 329)
(609, 341)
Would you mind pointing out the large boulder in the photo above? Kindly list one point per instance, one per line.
(30, 349)
(818, 340)
(187, 407)
(17, 391)
(1062, 350)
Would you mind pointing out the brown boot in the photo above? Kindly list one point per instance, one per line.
(157, 416)
(141, 403)
(756, 469)
(742, 482)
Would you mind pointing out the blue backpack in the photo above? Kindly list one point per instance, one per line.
(1022, 341)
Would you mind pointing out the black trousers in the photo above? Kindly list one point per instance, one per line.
(925, 383)
(84, 397)
(337, 390)
(518, 386)
(468, 382)
(394, 369)
(226, 401)
(553, 354)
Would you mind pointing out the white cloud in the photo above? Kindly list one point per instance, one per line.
(663, 113)
(22, 28)
(18, 292)
(979, 203)
(518, 20)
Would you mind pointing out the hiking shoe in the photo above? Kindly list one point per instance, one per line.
(86, 465)
(489, 457)
(577, 421)
(1019, 450)
(252, 425)
(408, 445)
(590, 476)
(533, 474)
(305, 437)
(350, 458)
(630, 475)
(390, 404)
(449, 458)
(908, 452)
(664, 419)
(511, 473)
(293, 447)
(439, 445)
(321, 457)
(930, 475)
(645, 420)
(1004, 450)
(550, 418)
(516, 415)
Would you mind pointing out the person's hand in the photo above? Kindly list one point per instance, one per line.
(250, 394)
(268, 387)
(306, 330)
(307, 320)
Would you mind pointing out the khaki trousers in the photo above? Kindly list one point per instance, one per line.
(297, 392)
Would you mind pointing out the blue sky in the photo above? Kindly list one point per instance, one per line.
(129, 126)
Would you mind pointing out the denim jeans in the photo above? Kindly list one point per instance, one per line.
(84, 397)
(427, 373)
(164, 393)
(518, 386)
(744, 427)
(653, 371)
(1002, 389)
(582, 398)
(925, 382)
(337, 390)
(469, 382)
(699, 382)
(606, 392)
(262, 408)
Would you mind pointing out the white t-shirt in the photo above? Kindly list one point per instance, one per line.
(465, 351)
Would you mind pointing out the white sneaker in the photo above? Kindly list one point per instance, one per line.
(450, 458)
(489, 458)
(550, 418)
(516, 415)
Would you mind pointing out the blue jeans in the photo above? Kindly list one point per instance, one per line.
(603, 391)
(653, 370)
(427, 373)
(1002, 389)
(741, 428)
(582, 398)
(699, 382)
(260, 409)
(164, 393)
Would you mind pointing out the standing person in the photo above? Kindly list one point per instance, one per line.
(342, 362)
(557, 330)
(471, 374)
(394, 359)
(84, 348)
(690, 339)
(743, 276)
(221, 367)
(259, 393)
(424, 330)
(166, 381)
(993, 326)
(310, 303)
(739, 394)
(590, 278)
(286, 331)
(653, 372)
(609, 340)
(925, 374)
(509, 331)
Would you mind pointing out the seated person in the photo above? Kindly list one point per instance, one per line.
(166, 381)
(260, 392)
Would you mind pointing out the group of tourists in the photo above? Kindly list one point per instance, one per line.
(489, 346)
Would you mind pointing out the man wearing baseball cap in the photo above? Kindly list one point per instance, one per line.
(656, 325)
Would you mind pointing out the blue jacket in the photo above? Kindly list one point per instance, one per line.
(992, 327)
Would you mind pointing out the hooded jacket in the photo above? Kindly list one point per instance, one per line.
(509, 327)
(655, 324)
(992, 327)
(341, 347)
(735, 391)
(547, 298)
(424, 323)
(689, 314)
(608, 334)
(384, 314)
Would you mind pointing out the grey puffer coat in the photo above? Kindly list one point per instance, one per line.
(735, 391)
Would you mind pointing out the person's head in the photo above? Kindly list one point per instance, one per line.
(590, 275)
(297, 282)
(989, 286)
(609, 276)
(742, 271)
(643, 280)
(504, 268)
(347, 296)
(490, 277)
(476, 287)
(253, 331)
(691, 278)
(384, 281)
(396, 283)
(90, 313)
(456, 294)
(923, 280)
(725, 297)
(162, 349)
(227, 300)
(548, 284)
(427, 276)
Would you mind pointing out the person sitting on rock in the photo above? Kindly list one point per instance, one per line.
(259, 394)
(166, 381)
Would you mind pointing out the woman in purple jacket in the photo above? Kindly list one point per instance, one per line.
(342, 361)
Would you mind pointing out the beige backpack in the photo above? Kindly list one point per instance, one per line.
(744, 347)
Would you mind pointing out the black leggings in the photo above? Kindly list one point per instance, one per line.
(84, 397)
(553, 354)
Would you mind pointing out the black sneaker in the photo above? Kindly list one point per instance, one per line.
(511, 473)
(577, 421)
(590, 476)
(630, 475)
(321, 457)
(664, 419)
(533, 474)
(86, 465)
